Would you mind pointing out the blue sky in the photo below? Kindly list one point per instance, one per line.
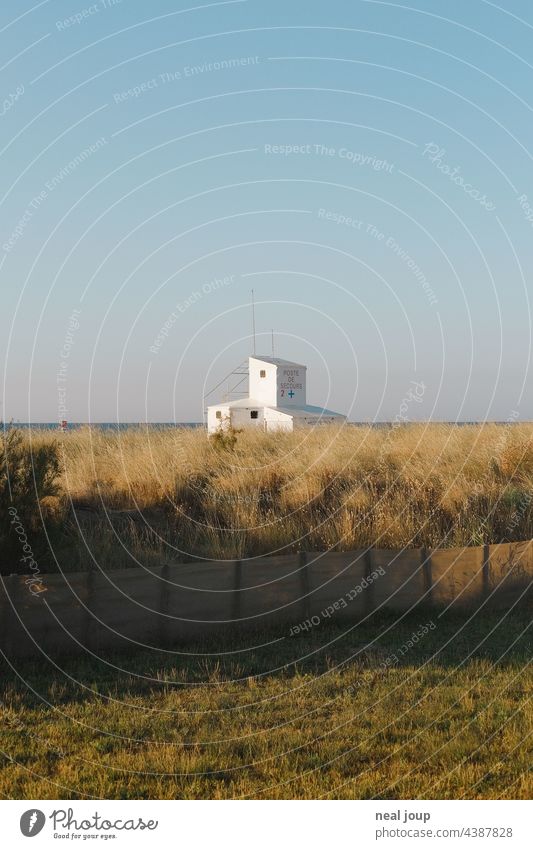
(364, 166)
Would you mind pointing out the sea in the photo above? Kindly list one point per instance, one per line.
(104, 425)
(170, 425)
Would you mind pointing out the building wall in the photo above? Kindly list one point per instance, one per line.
(267, 419)
(282, 386)
(291, 386)
(213, 423)
(276, 421)
(262, 389)
(240, 417)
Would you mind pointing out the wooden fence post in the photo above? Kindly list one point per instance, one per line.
(425, 559)
(306, 588)
(370, 592)
(23, 623)
(237, 606)
(90, 628)
(164, 605)
(10, 600)
(486, 570)
(4, 615)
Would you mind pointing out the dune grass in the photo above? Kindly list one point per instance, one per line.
(175, 494)
(326, 715)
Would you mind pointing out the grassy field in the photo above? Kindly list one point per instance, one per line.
(325, 714)
(329, 715)
(173, 494)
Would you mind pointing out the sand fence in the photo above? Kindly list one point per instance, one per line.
(167, 607)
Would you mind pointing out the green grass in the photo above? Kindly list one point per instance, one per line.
(324, 715)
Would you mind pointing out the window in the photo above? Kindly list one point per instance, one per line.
(219, 414)
(262, 373)
(254, 414)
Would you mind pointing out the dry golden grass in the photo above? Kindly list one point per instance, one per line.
(319, 716)
(339, 488)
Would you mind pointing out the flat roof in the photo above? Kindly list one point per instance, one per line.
(242, 402)
(307, 410)
(298, 412)
(276, 361)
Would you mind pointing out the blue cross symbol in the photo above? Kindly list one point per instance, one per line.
(291, 394)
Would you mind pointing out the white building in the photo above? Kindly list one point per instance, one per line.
(277, 400)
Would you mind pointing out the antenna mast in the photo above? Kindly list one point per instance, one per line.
(253, 318)
(272, 342)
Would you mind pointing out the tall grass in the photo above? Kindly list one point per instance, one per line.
(146, 493)
(29, 499)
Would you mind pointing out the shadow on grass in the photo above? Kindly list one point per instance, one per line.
(385, 642)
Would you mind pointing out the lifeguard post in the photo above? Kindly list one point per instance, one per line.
(276, 401)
